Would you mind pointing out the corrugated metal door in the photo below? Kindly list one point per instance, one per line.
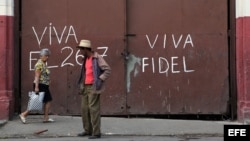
(178, 61)
(60, 25)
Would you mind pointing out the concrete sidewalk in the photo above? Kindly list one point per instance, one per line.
(65, 126)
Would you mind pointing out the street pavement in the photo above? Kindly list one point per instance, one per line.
(69, 126)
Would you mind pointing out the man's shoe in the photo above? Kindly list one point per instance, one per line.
(95, 137)
(83, 134)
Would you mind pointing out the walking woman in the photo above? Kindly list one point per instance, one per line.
(41, 84)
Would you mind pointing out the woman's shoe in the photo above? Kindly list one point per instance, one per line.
(49, 120)
(22, 119)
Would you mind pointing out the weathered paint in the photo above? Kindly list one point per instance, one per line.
(59, 25)
(176, 60)
(7, 8)
(132, 66)
(6, 58)
(242, 60)
(183, 48)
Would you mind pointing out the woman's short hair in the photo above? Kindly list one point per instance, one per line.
(45, 51)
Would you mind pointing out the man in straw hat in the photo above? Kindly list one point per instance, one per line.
(94, 72)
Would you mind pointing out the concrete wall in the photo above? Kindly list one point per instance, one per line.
(243, 58)
(6, 58)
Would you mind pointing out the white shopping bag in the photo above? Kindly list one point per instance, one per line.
(41, 96)
(35, 101)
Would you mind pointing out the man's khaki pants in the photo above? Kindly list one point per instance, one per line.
(91, 111)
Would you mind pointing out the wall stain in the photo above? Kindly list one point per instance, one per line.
(131, 66)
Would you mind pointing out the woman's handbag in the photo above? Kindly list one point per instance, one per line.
(35, 101)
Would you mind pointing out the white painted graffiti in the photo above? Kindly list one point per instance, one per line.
(70, 53)
(163, 63)
(65, 35)
(175, 64)
(52, 29)
(176, 43)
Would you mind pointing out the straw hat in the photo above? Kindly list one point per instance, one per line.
(84, 44)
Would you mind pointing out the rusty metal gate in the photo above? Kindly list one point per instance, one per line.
(167, 56)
